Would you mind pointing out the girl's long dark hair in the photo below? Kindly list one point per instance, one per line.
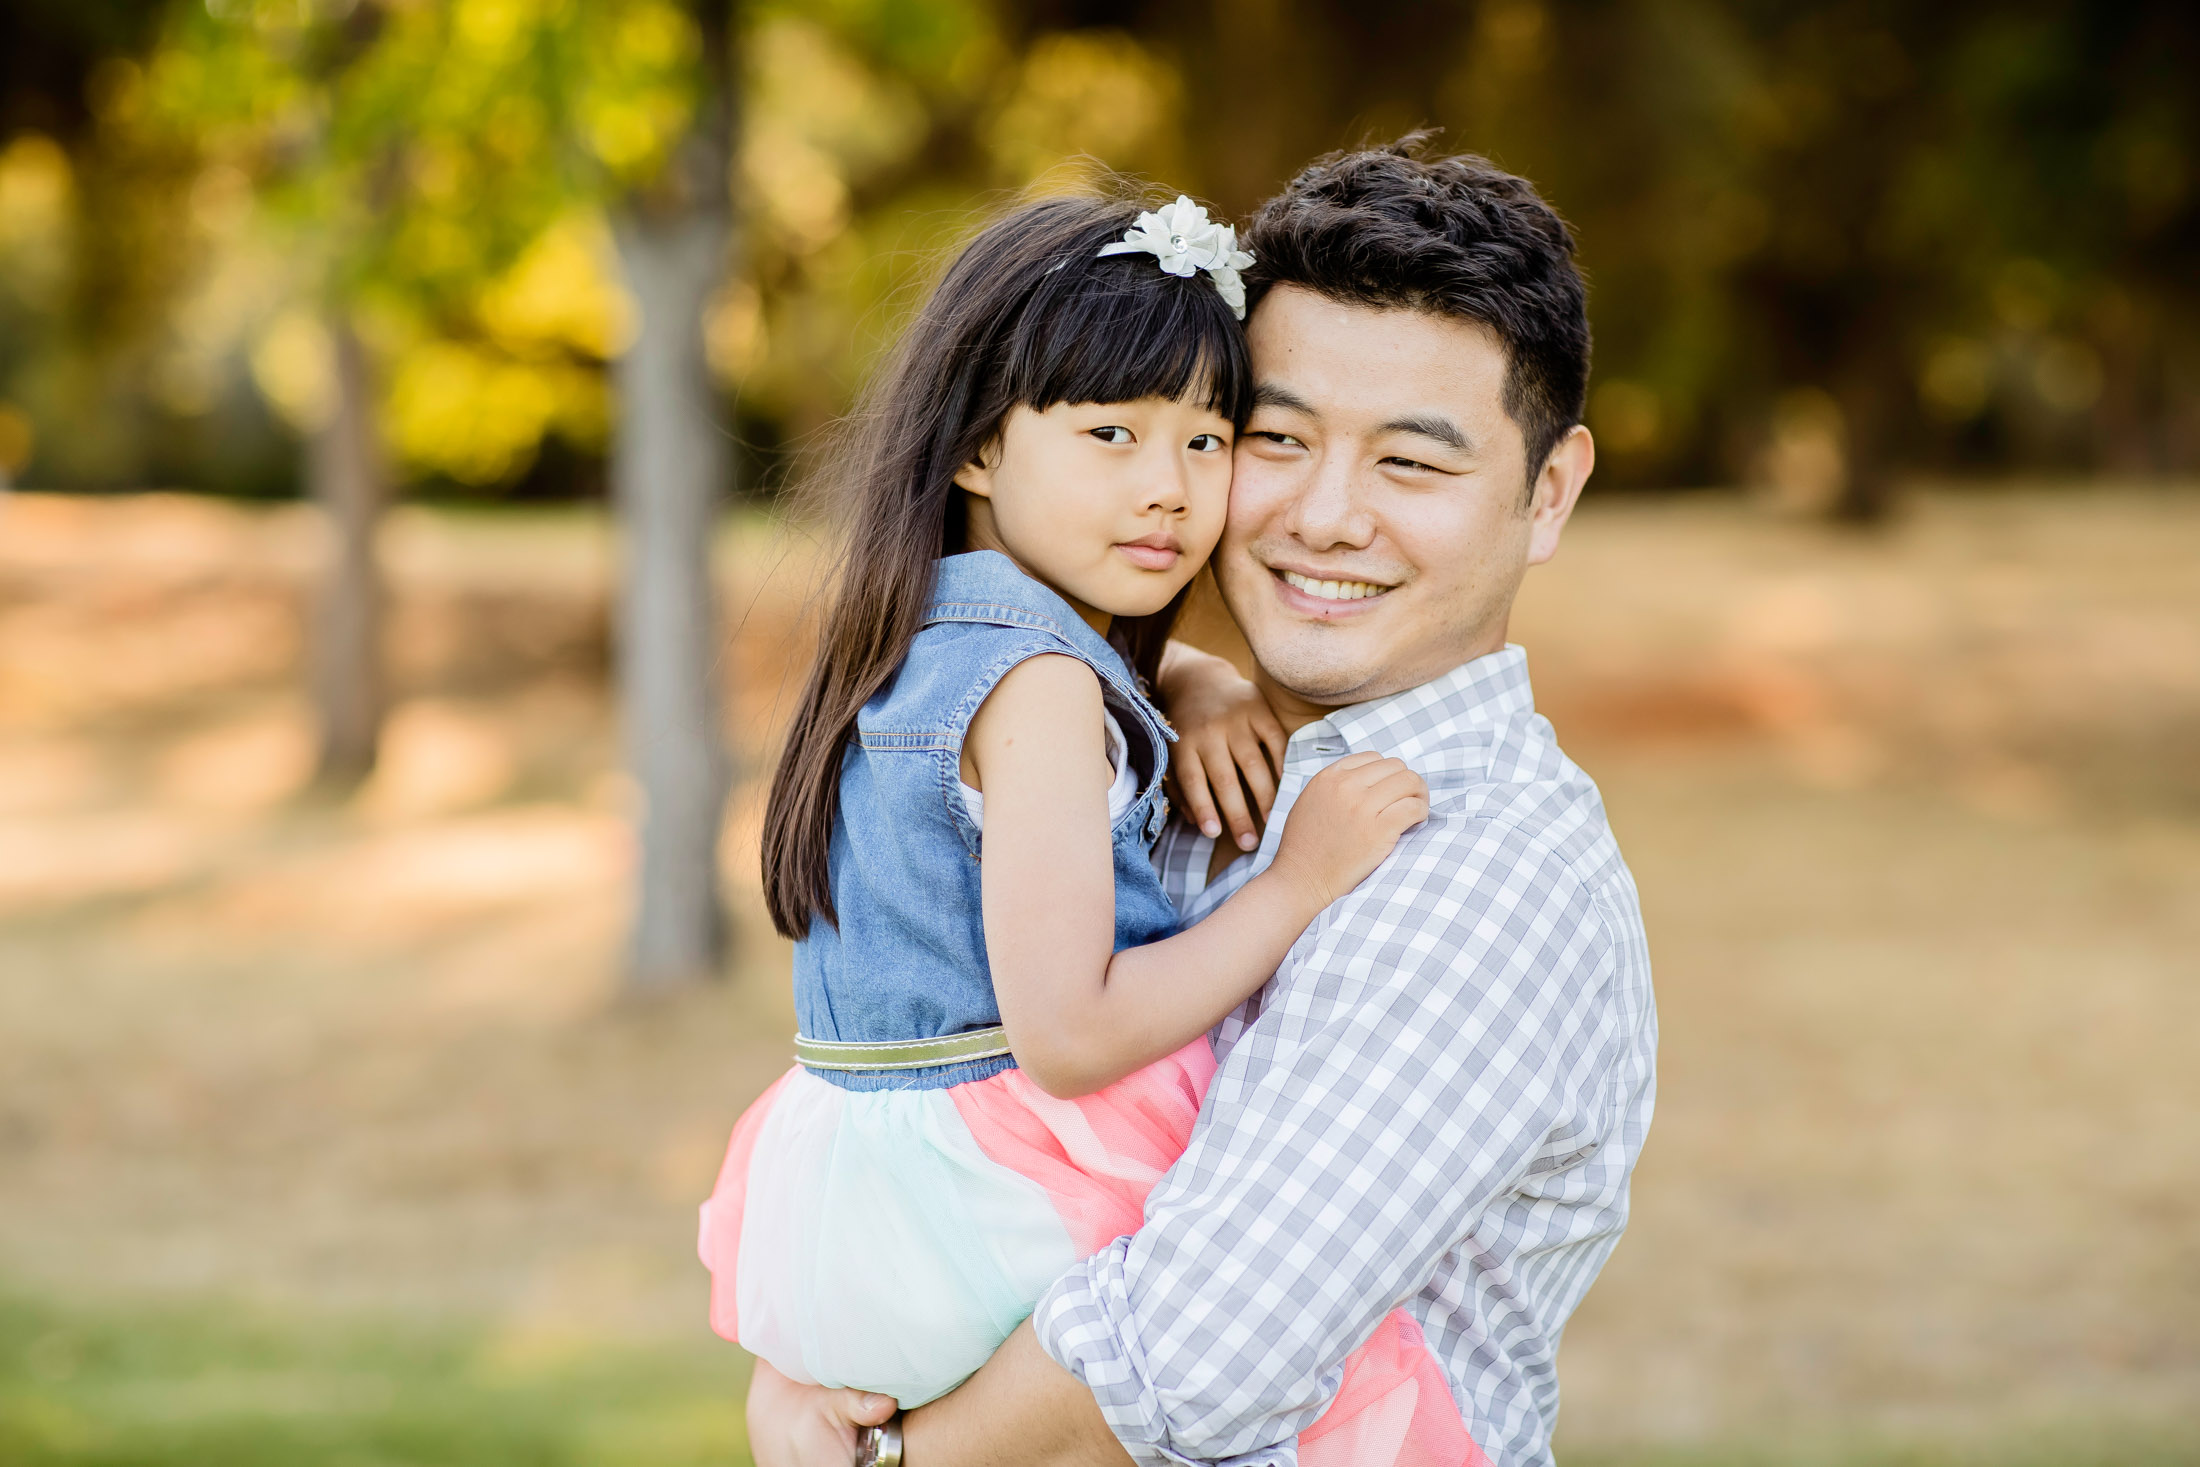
(1028, 315)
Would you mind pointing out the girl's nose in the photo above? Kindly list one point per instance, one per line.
(1172, 491)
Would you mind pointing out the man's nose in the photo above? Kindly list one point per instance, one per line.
(1330, 511)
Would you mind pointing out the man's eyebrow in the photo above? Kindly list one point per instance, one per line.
(1275, 395)
(1431, 425)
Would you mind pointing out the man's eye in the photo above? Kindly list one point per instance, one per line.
(1282, 438)
(1408, 463)
(1113, 435)
(1208, 443)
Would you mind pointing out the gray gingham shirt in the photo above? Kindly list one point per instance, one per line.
(1437, 1103)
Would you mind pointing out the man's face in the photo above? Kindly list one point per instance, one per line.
(1380, 519)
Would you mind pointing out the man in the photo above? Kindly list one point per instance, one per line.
(1439, 1099)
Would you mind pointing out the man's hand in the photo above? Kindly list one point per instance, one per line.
(1229, 744)
(794, 1425)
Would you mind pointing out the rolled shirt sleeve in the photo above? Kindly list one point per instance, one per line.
(1442, 1038)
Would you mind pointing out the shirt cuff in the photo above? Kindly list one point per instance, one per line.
(1086, 1326)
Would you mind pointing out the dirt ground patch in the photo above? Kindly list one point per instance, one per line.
(1915, 813)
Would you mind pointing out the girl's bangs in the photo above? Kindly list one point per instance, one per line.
(1113, 336)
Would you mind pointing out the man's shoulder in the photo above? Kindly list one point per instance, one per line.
(1516, 865)
(1524, 805)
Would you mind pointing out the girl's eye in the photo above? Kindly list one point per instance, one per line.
(1113, 435)
(1208, 443)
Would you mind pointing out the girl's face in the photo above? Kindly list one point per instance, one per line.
(1113, 505)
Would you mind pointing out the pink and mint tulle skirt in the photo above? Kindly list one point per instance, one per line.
(891, 1239)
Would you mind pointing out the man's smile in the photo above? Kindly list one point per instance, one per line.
(1326, 597)
(1333, 590)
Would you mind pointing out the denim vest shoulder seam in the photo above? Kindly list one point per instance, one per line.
(994, 611)
(883, 740)
(997, 613)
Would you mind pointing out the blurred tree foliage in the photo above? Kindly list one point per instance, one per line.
(1828, 239)
(431, 171)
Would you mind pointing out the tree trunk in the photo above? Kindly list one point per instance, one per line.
(348, 480)
(670, 466)
(669, 469)
(1868, 412)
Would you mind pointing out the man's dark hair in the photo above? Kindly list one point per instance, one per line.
(1393, 227)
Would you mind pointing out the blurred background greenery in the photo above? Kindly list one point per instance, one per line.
(345, 1116)
(1957, 237)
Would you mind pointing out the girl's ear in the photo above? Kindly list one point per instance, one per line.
(977, 476)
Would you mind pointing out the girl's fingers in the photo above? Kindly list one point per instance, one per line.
(863, 1408)
(1252, 767)
(1407, 812)
(1389, 772)
(1229, 793)
(1271, 735)
(1372, 773)
(1191, 785)
(1398, 782)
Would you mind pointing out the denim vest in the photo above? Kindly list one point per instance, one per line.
(907, 960)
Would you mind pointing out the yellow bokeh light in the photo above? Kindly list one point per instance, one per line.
(36, 184)
(294, 366)
(17, 438)
(1096, 93)
(562, 292)
(458, 410)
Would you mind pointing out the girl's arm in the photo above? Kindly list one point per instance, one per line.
(1080, 1015)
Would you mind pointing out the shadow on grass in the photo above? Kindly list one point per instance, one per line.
(205, 1388)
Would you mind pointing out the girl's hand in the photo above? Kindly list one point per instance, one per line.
(793, 1425)
(1346, 821)
(1229, 744)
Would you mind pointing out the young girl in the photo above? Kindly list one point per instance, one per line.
(1003, 1032)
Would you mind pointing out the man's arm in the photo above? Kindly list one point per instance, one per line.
(1443, 1031)
(1020, 1410)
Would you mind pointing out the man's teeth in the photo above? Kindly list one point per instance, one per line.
(1334, 590)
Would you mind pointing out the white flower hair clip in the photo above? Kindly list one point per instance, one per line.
(1184, 240)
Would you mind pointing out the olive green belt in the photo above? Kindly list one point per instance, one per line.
(902, 1054)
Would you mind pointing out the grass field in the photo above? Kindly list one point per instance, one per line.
(326, 1138)
(177, 1388)
(151, 1388)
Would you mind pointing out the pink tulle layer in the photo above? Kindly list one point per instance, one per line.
(1096, 1157)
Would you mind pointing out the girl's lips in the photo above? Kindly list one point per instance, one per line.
(1150, 557)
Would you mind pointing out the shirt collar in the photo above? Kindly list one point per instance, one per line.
(1420, 720)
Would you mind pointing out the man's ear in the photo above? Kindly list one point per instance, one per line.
(1558, 490)
(977, 477)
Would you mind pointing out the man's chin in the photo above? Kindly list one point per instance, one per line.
(1327, 675)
